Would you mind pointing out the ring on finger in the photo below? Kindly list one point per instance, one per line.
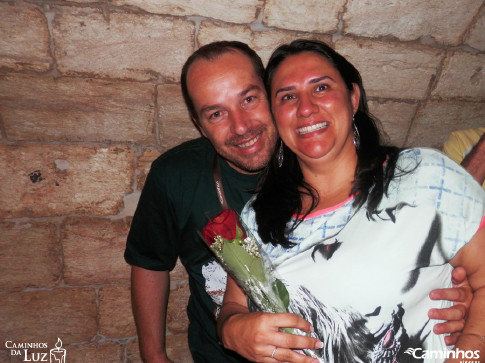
(274, 351)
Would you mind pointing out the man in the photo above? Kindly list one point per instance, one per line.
(223, 89)
(224, 92)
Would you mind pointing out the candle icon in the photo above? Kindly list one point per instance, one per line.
(58, 354)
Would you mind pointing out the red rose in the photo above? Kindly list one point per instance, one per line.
(223, 224)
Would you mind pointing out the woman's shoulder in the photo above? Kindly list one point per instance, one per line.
(429, 172)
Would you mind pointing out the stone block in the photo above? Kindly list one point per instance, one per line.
(475, 37)
(24, 44)
(244, 11)
(115, 313)
(41, 108)
(30, 255)
(176, 126)
(462, 77)
(263, 42)
(93, 251)
(395, 119)
(435, 122)
(392, 70)
(106, 352)
(179, 273)
(303, 15)
(53, 180)
(143, 165)
(46, 315)
(445, 21)
(121, 45)
(177, 321)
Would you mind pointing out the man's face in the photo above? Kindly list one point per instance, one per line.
(233, 110)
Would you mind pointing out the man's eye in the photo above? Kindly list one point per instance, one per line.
(215, 115)
(249, 99)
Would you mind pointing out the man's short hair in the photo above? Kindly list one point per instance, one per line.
(210, 52)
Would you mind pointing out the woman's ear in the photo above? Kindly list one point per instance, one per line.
(355, 97)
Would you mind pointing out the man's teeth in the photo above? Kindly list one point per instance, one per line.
(250, 142)
(307, 129)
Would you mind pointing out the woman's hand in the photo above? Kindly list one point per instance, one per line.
(461, 294)
(258, 336)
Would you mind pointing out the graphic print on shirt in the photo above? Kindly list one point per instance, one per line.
(215, 283)
(344, 330)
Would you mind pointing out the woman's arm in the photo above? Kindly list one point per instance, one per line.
(472, 257)
(257, 336)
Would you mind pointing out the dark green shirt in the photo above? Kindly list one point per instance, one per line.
(177, 195)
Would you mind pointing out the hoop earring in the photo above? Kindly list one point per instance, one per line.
(356, 134)
(280, 155)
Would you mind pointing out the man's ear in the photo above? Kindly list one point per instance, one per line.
(199, 127)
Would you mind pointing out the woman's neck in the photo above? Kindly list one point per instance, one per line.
(332, 180)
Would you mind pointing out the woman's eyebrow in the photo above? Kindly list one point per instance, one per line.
(312, 81)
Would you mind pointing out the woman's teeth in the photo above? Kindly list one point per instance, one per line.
(307, 129)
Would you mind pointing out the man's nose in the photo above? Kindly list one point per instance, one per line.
(306, 106)
(240, 122)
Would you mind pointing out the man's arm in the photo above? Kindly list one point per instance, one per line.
(474, 162)
(149, 297)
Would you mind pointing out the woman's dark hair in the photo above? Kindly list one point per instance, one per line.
(210, 52)
(280, 189)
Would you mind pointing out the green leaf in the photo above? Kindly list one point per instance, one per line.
(241, 264)
(280, 290)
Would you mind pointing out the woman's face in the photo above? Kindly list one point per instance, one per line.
(313, 108)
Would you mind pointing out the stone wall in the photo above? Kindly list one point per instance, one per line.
(89, 96)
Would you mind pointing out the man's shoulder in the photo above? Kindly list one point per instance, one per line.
(192, 152)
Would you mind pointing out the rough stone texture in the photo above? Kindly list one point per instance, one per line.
(303, 15)
(262, 42)
(395, 118)
(390, 70)
(29, 255)
(411, 19)
(43, 316)
(476, 38)
(76, 109)
(463, 76)
(24, 40)
(436, 121)
(177, 321)
(122, 45)
(227, 10)
(115, 315)
(179, 272)
(93, 251)
(56, 180)
(95, 353)
(176, 126)
(144, 163)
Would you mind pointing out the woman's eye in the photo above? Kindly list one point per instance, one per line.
(321, 87)
(287, 97)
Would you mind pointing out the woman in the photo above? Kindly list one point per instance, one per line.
(359, 232)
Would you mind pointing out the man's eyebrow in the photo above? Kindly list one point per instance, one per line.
(312, 81)
(251, 88)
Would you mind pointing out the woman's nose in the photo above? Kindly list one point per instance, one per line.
(306, 106)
